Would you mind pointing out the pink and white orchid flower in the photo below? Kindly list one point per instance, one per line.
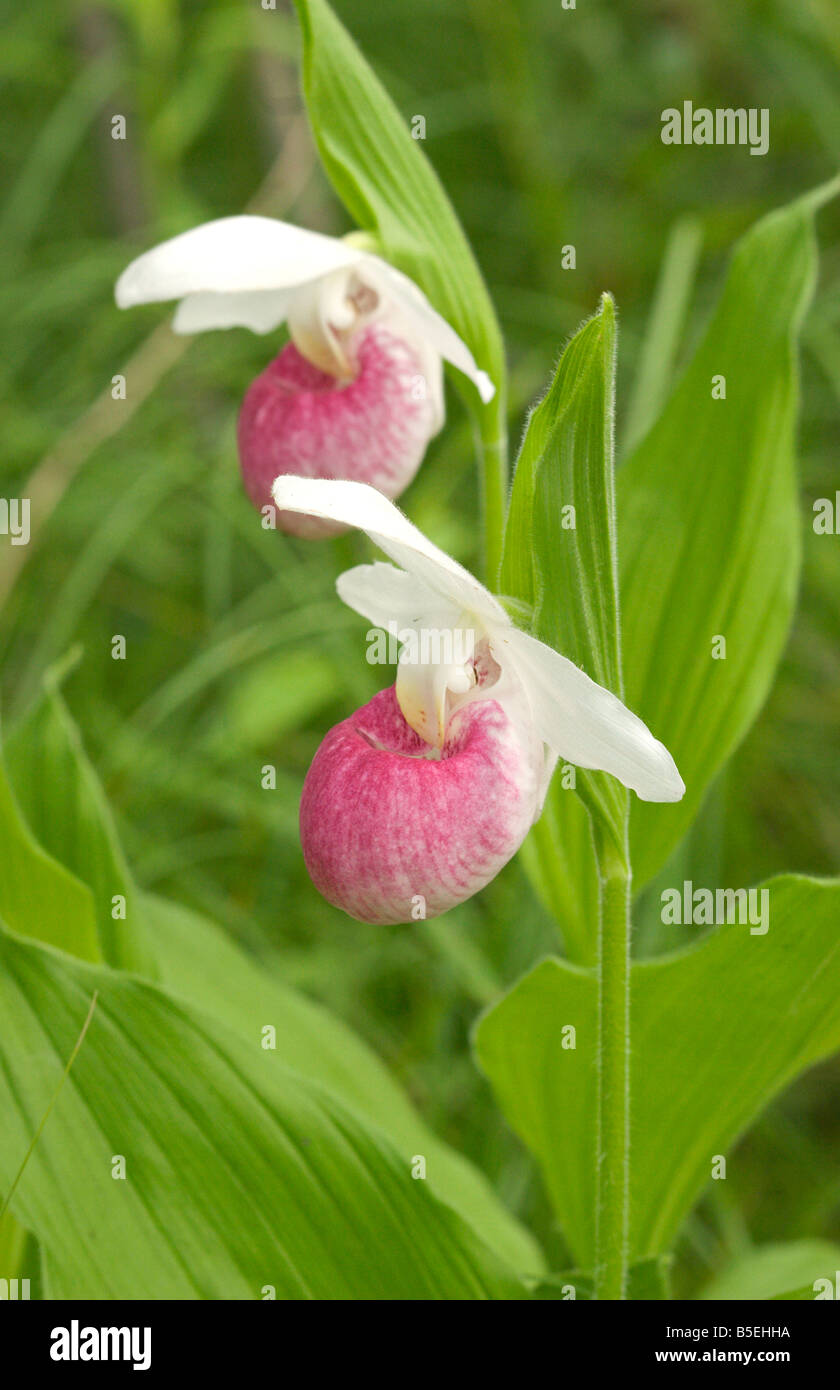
(357, 393)
(427, 791)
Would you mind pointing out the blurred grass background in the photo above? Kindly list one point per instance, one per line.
(544, 125)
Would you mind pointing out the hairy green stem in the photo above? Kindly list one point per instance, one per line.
(613, 1134)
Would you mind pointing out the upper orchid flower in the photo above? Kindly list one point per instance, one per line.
(428, 790)
(357, 393)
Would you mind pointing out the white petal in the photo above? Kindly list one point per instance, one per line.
(426, 322)
(260, 310)
(357, 504)
(388, 596)
(232, 255)
(586, 724)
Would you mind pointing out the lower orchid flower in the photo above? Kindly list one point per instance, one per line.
(357, 393)
(426, 792)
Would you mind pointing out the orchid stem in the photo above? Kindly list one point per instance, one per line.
(613, 1135)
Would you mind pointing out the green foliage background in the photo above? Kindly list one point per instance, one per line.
(544, 127)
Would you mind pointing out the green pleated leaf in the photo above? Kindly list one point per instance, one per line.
(559, 556)
(389, 187)
(39, 897)
(559, 858)
(709, 528)
(786, 1271)
(560, 564)
(198, 962)
(544, 1079)
(66, 809)
(240, 1176)
(717, 1031)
